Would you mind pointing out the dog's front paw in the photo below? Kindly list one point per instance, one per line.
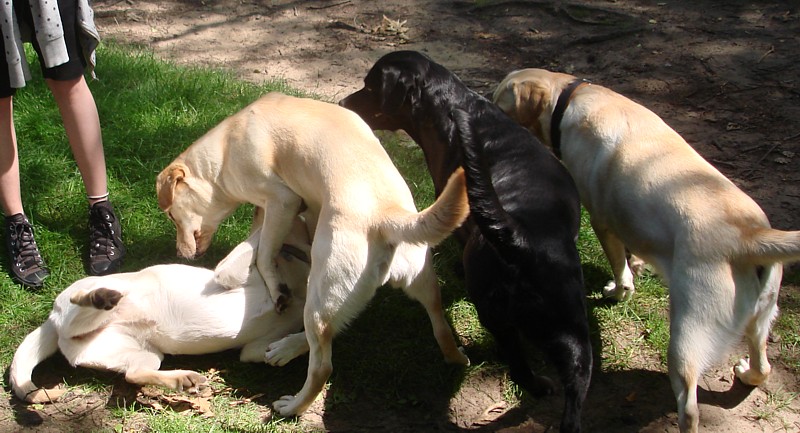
(747, 375)
(618, 293)
(286, 405)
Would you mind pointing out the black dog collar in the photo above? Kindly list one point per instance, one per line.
(558, 114)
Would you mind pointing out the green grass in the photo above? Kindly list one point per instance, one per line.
(770, 411)
(150, 111)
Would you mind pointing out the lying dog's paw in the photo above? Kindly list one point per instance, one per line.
(279, 353)
(185, 380)
(747, 375)
(618, 293)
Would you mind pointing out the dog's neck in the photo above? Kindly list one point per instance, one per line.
(558, 113)
(206, 154)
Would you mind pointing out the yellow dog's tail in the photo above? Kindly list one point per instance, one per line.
(433, 224)
(35, 348)
(768, 245)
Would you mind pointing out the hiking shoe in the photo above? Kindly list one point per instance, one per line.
(106, 250)
(27, 265)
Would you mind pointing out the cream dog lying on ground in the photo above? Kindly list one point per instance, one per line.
(127, 322)
(646, 189)
(284, 154)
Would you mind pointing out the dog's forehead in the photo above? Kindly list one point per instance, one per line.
(375, 74)
(402, 61)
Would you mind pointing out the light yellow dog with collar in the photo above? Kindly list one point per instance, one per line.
(648, 191)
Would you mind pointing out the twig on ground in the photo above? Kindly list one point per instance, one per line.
(791, 137)
(769, 51)
(768, 152)
(330, 6)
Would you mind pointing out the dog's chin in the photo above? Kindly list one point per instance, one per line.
(189, 253)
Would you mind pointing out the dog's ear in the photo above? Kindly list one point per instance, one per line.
(505, 97)
(166, 182)
(397, 86)
(530, 99)
(538, 98)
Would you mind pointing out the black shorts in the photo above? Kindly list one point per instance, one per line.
(73, 68)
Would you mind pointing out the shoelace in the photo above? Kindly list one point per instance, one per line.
(102, 233)
(24, 249)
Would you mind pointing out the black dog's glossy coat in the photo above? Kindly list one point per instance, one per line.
(521, 263)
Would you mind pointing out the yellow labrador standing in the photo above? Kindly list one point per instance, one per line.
(127, 322)
(646, 189)
(286, 154)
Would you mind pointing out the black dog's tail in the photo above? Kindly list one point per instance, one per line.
(497, 226)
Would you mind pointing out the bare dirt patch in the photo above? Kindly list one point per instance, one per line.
(723, 73)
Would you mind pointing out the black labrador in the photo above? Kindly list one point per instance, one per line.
(521, 264)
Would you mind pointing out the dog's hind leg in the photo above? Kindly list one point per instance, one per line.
(622, 288)
(425, 289)
(117, 351)
(691, 347)
(142, 368)
(280, 212)
(179, 380)
(683, 375)
(755, 371)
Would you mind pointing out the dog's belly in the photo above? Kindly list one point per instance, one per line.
(209, 337)
(198, 346)
(205, 324)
